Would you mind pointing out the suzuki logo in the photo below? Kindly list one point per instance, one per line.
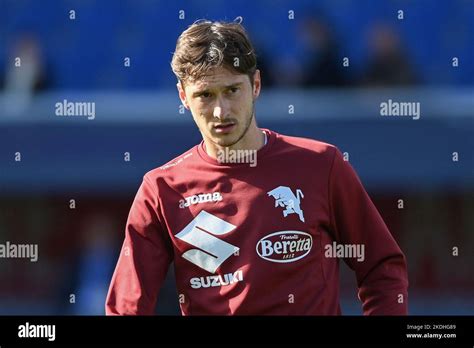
(200, 233)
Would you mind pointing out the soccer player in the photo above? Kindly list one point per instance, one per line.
(254, 221)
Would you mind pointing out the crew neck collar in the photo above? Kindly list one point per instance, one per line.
(201, 149)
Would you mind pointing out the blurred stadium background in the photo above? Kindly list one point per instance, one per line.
(301, 46)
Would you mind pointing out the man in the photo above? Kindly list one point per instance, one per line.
(259, 238)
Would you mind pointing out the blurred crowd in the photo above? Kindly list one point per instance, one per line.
(317, 61)
(322, 64)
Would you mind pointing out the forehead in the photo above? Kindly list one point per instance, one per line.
(217, 78)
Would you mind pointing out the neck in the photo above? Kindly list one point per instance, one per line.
(254, 139)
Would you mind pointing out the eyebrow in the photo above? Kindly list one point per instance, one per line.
(198, 93)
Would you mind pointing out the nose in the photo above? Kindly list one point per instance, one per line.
(220, 109)
(217, 112)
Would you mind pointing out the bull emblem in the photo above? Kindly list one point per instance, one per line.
(285, 198)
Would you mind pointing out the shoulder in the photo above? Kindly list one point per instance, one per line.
(171, 167)
(313, 148)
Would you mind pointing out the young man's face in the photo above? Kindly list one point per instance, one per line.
(222, 105)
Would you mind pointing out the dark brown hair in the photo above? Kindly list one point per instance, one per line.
(206, 45)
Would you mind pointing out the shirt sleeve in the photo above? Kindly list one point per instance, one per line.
(382, 275)
(144, 259)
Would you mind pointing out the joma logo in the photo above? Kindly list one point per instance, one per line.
(201, 198)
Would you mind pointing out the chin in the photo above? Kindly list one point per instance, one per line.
(224, 140)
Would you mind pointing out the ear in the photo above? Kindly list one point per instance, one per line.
(182, 94)
(257, 84)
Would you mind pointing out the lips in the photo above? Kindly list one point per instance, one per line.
(224, 125)
(224, 128)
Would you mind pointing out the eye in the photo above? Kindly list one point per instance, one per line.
(205, 95)
(233, 90)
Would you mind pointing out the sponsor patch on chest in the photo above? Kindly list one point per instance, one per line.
(284, 246)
